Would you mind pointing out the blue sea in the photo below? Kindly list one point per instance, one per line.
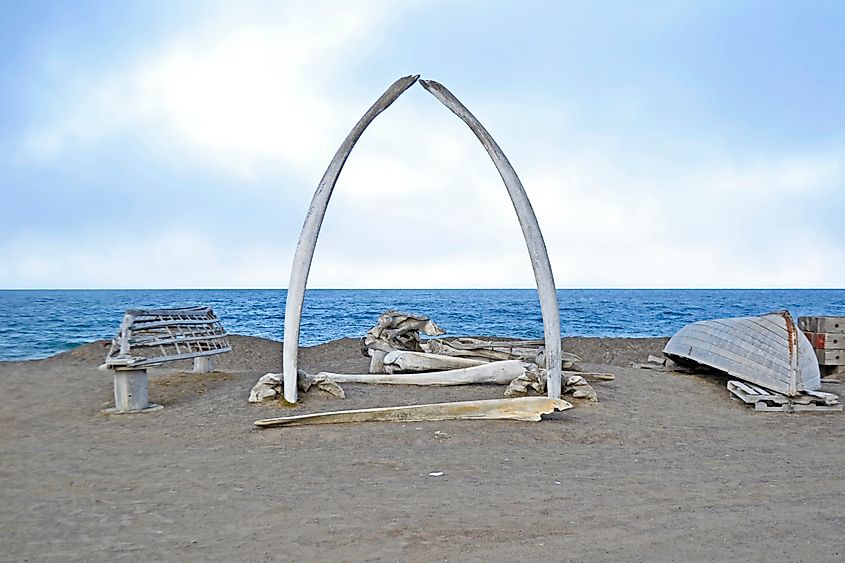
(39, 323)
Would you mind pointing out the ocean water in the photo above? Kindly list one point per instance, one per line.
(39, 323)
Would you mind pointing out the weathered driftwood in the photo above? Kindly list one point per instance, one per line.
(311, 229)
(398, 360)
(525, 214)
(525, 409)
(500, 373)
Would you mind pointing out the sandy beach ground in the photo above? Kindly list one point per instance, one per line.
(665, 468)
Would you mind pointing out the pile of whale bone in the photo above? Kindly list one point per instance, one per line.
(398, 356)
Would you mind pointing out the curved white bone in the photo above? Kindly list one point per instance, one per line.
(530, 230)
(525, 213)
(311, 229)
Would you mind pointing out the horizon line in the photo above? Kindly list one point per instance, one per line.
(420, 288)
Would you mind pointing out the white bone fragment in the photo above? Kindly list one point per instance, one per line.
(500, 373)
(271, 385)
(535, 379)
(400, 360)
(524, 408)
(267, 387)
(321, 382)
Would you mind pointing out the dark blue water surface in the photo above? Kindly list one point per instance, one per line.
(38, 323)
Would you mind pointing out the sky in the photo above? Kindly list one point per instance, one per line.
(167, 144)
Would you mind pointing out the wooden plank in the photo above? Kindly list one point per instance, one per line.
(144, 340)
(118, 362)
(744, 395)
(808, 324)
(763, 407)
(169, 312)
(826, 340)
(827, 398)
(830, 324)
(763, 392)
(743, 386)
(146, 325)
(752, 394)
(817, 408)
(831, 357)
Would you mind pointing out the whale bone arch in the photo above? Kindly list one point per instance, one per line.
(319, 203)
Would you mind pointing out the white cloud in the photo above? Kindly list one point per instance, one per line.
(234, 89)
(419, 203)
(709, 224)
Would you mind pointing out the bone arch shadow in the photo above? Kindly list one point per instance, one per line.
(525, 214)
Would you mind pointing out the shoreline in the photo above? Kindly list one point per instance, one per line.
(589, 345)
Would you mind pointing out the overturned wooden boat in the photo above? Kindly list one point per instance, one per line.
(768, 351)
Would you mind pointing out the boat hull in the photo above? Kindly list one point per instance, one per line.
(768, 351)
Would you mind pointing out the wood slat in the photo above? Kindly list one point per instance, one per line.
(767, 401)
(826, 340)
(831, 357)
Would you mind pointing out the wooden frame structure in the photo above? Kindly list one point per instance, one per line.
(150, 337)
(525, 213)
